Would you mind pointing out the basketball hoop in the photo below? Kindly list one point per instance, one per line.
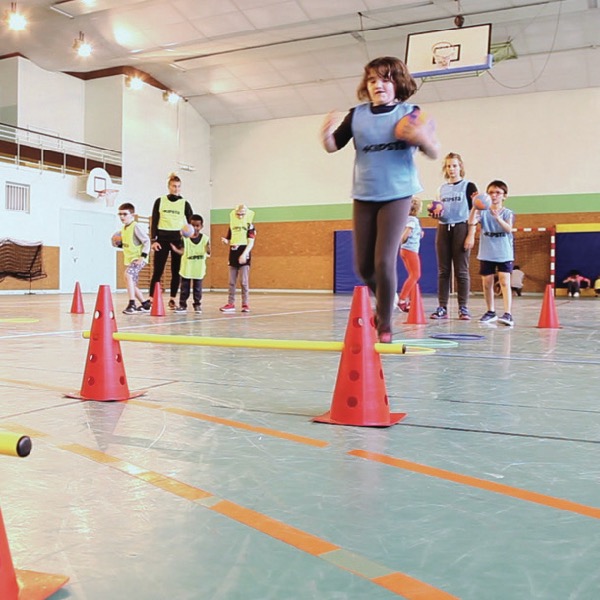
(109, 196)
(443, 52)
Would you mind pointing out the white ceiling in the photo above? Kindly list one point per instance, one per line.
(249, 60)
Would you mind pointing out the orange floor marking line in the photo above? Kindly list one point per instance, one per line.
(34, 433)
(178, 488)
(410, 588)
(276, 529)
(95, 455)
(489, 486)
(394, 581)
(237, 424)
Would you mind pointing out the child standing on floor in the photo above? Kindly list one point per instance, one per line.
(452, 241)
(195, 251)
(387, 132)
(240, 237)
(496, 250)
(135, 243)
(409, 253)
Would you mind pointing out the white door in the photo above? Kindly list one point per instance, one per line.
(86, 254)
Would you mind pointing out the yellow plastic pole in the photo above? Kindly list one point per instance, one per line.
(14, 444)
(270, 344)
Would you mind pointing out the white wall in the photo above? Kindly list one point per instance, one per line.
(9, 90)
(50, 102)
(542, 143)
(157, 137)
(103, 112)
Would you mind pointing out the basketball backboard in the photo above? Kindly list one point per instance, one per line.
(449, 52)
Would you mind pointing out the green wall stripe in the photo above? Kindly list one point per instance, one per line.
(525, 205)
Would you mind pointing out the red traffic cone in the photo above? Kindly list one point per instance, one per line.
(360, 397)
(158, 307)
(416, 313)
(104, 377)
(77, 304)
(548, 314)
(16, 584)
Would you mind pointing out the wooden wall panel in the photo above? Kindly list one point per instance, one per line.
(294, 256)
(299, 255)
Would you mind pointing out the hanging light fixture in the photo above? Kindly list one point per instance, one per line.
(83, 48)
(14, 19)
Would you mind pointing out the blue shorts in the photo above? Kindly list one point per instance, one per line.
(488, 267)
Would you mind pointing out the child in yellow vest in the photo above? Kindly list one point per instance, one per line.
(195, 251)
(240, 238)
(135, 243)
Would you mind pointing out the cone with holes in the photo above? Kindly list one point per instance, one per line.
(416, 313)
(77, 303)
(21, 585)
(104, 377)
(548, 314)
(158, 307)
(360, 397)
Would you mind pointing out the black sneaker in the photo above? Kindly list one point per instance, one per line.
(130, 310)
(506, 319)
(489, 317)
(144, 307)
(197, 309)
(180, 309)
(440, 313)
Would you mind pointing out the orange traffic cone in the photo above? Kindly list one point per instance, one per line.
(360, 397)
(16, 584)
(158, 308)
(77, 304)
(416, 313)
(104, 377)
(548, 314)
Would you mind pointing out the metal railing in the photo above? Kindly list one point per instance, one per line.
(26, 147)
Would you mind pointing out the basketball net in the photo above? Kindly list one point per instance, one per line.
(109, 196)
(442, 54)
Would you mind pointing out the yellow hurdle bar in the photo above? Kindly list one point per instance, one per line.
(14, 444)
(270, 344)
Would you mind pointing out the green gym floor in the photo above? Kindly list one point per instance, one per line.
(217, 485)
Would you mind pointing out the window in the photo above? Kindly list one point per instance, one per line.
(16, 197)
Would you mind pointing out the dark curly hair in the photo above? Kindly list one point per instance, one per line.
(392, 68)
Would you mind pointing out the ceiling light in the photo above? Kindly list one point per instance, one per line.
(134, 83)
(170, 97)
(82, 47)
(15, 20)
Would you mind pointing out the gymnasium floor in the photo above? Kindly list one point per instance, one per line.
(217, 485)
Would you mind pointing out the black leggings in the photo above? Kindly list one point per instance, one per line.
(160, 260)
(378, 228)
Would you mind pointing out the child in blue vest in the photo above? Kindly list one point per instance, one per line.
(409, 253)
(195, 251)
(496, 250)
(387, 132)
